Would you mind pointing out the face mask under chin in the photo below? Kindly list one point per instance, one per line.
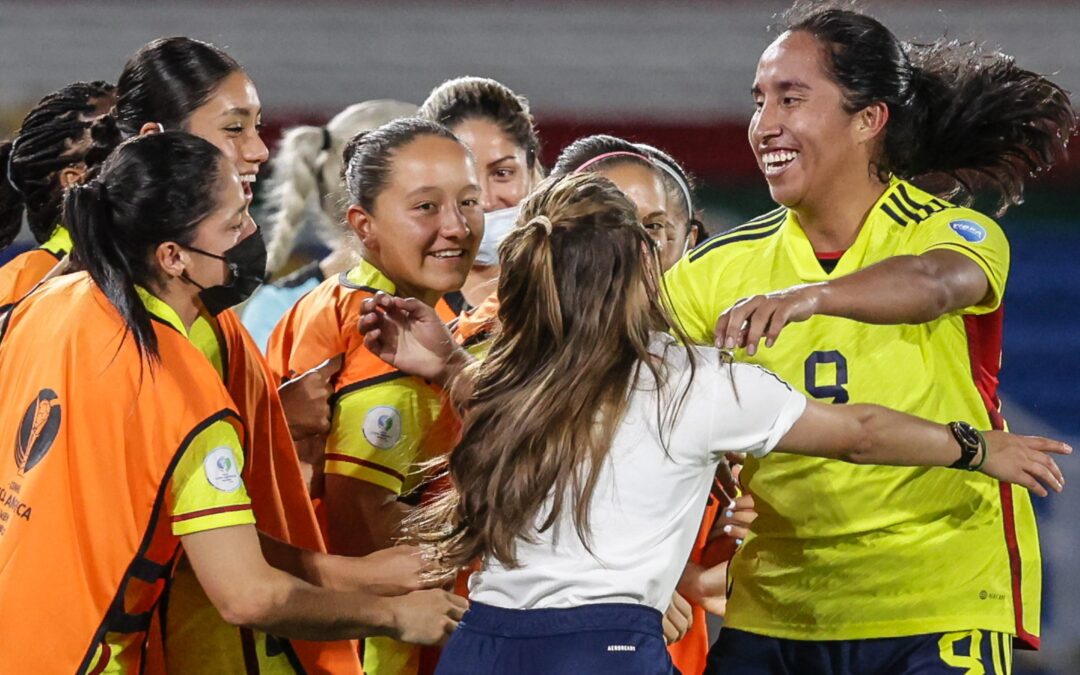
(247, 271)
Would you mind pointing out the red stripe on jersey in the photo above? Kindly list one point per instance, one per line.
(106, 656)
(210, 512)
(337, 457)
(1025, 638)
(984, 349)
(830, 255)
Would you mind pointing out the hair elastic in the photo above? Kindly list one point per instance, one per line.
(327, 139)
(544, 222)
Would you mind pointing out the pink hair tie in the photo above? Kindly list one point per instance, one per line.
(609, 155)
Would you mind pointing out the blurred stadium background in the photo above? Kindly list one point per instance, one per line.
(675, 74)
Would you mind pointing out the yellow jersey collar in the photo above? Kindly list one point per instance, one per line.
(161, 309)
(366, 276)
(803, 256)
(59, 243)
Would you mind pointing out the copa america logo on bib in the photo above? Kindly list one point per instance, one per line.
(382, 427)
(221, 469)
(969, 230)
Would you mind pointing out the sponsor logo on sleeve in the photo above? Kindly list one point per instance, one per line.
(221, 469)
(382, 427)
(969, 230)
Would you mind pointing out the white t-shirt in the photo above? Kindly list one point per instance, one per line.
(648, 504)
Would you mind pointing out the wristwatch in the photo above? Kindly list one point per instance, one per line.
(971, 441)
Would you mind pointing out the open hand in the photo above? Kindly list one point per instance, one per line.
(748, 321)
(1025, 460)
(408, 335)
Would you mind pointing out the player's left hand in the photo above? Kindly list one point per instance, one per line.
(677, 619)
(306, 399)
(745, 323)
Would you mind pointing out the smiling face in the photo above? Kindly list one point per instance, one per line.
(231, 119)
(645, 187)
(426, 223)
(226, 227)
(502, 164)
(806, 144)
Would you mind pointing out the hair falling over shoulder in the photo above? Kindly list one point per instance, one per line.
(580, 305)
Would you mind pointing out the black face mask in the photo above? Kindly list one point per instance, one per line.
(247, 267)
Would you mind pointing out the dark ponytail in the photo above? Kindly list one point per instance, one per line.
(152, 189)
(958, 114)
(164, 82)
(53, 136)
(11, 200)
(88, 215)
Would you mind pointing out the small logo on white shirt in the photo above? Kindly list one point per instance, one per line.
(621, 648)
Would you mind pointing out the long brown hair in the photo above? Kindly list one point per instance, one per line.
(580, 305)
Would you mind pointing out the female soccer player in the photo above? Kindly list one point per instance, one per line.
(633, 171)
(180, 83)
(684, 229)
(45, 157)
(497, 127)
(584, 465)
(659, 189)
(415, 208)
(307, 184)
(889, 294)
(128, 446)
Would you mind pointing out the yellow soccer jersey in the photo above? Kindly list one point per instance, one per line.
(850, 552)
(199, 640)
(384, 422)
(205, 492)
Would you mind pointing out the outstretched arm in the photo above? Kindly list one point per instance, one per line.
(871, 434)
(908, 289)
(249, 592)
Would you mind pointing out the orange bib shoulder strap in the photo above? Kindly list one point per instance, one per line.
(93, 434)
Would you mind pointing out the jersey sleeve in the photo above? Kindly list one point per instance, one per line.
(684, 291)
(974, 236)
(379, 429)
(206, 491)
(308, 334)
(754, 409)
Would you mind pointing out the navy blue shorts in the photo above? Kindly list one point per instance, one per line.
(736, 652)
(608, 638)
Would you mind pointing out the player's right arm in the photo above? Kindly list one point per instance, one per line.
(958, 261)
(248, 592)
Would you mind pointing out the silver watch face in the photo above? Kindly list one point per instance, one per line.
(967, 434)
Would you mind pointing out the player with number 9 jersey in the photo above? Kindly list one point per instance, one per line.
(845, 552)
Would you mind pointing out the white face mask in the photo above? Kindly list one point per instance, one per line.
(497, 224)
